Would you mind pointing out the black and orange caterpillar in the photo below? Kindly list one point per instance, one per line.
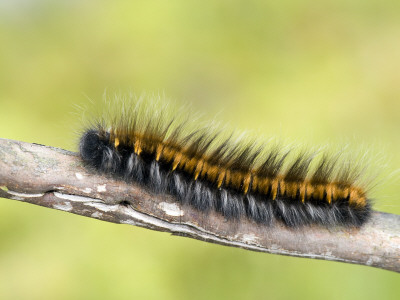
(235, 180)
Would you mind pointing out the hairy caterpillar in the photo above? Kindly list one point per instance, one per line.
(142, 144)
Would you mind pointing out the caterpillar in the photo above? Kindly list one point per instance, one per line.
(142, 144)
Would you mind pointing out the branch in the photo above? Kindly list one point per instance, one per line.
(56, 178)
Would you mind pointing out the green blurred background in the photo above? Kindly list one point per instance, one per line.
(318, 72)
